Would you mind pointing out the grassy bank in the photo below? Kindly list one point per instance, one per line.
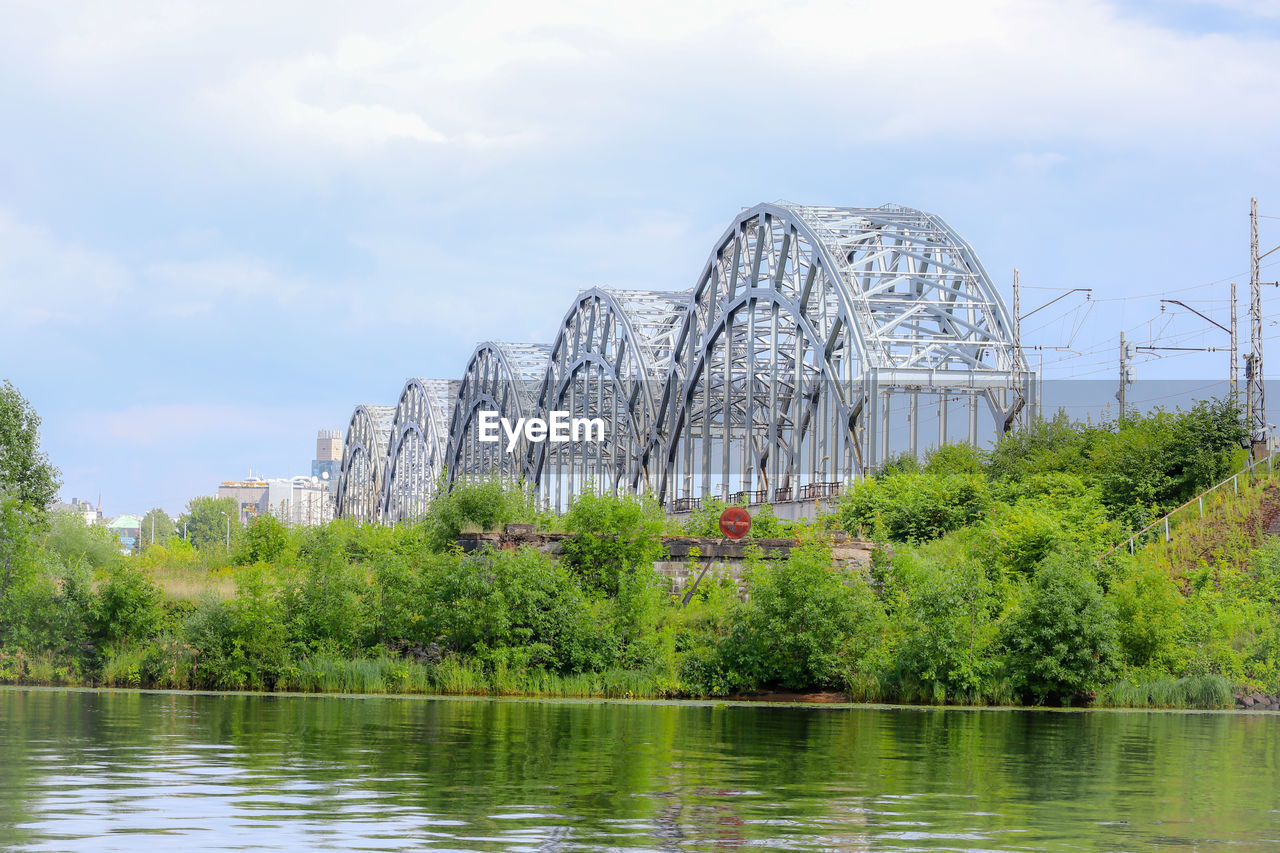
(991, 589)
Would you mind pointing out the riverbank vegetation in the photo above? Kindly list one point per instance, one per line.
(990, 586)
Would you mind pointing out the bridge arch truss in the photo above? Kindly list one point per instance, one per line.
(777, 377)
(503, 378)
(610, 360)
(418, 444)
(364, 459)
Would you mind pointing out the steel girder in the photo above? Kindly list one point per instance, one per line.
(610, 360)
(771, 379)
(364, 459)
(802, 323)
(502, 378)
(416, 452)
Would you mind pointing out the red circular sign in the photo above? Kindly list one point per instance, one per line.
(735, 522)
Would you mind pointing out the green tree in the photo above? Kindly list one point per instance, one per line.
(805, 624)
(1061, 643)
(480, 505)
(265, 540)
(949, 613)
(25, 472)
(206, 521)
(157, 527)
(79, 543)
(611, 534)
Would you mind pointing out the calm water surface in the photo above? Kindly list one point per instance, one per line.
(147, 771)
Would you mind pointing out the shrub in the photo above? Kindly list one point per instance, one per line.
(130, 605)
(806, 623)
(1061, 642)
(915, 507)
(1149, 617)
(611, 534)
(265, 540)
(948, 620)
(483, 504)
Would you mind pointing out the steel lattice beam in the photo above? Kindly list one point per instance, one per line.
(772, 378)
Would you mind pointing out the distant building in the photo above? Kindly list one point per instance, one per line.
(301, 500)
(328, 461)
(128, 529)
(250, 496)
(84, 509)
(296, 500)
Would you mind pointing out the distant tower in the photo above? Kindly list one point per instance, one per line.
(328, 455)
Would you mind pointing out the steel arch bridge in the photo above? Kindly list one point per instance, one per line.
(772, 379)
(364, 459)
(418, 443)
(610, 360)
(501, 378)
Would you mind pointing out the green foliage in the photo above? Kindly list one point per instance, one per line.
(206, 521)
(157, 528)
(480, 505)
(324, 601)
(805, 624)
(265, 540)
(955, 459)
(914, 506)
(1149, 616)
(947, 611)
(48, 607)
(129, 605)
(77, 542)
(1061, 641)
(1163, 691)
(611, 534)
(25, 472)
(239, 644)
(1143, 465)
(478, 605)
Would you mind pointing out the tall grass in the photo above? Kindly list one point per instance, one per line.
(1232, 527)
(1192, 691)
(452, 676)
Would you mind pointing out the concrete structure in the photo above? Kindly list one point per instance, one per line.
(772, 380)
(328, 462)
(688, 560)
(297, 500)
(250, 496)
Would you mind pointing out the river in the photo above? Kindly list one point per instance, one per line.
(137, 771)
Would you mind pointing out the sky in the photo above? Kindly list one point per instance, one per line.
(222, 226)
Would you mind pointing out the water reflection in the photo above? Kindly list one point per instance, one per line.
(132, 771)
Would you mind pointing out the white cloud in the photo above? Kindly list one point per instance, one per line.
(174, 426)
(45, 280)
(187, 288)
(319, 81)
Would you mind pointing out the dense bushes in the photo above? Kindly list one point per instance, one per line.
(991, 590)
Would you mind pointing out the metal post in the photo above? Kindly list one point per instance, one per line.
(913, 438)
(1257, 392)
(1017, 312)
(1124, 375)
(1234, 373)
(973, 419)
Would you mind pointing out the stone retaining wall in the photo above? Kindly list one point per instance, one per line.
(716, 558)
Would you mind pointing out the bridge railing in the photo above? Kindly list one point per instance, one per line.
(1251, 471)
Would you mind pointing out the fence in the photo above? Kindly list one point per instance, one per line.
(1163, 521)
